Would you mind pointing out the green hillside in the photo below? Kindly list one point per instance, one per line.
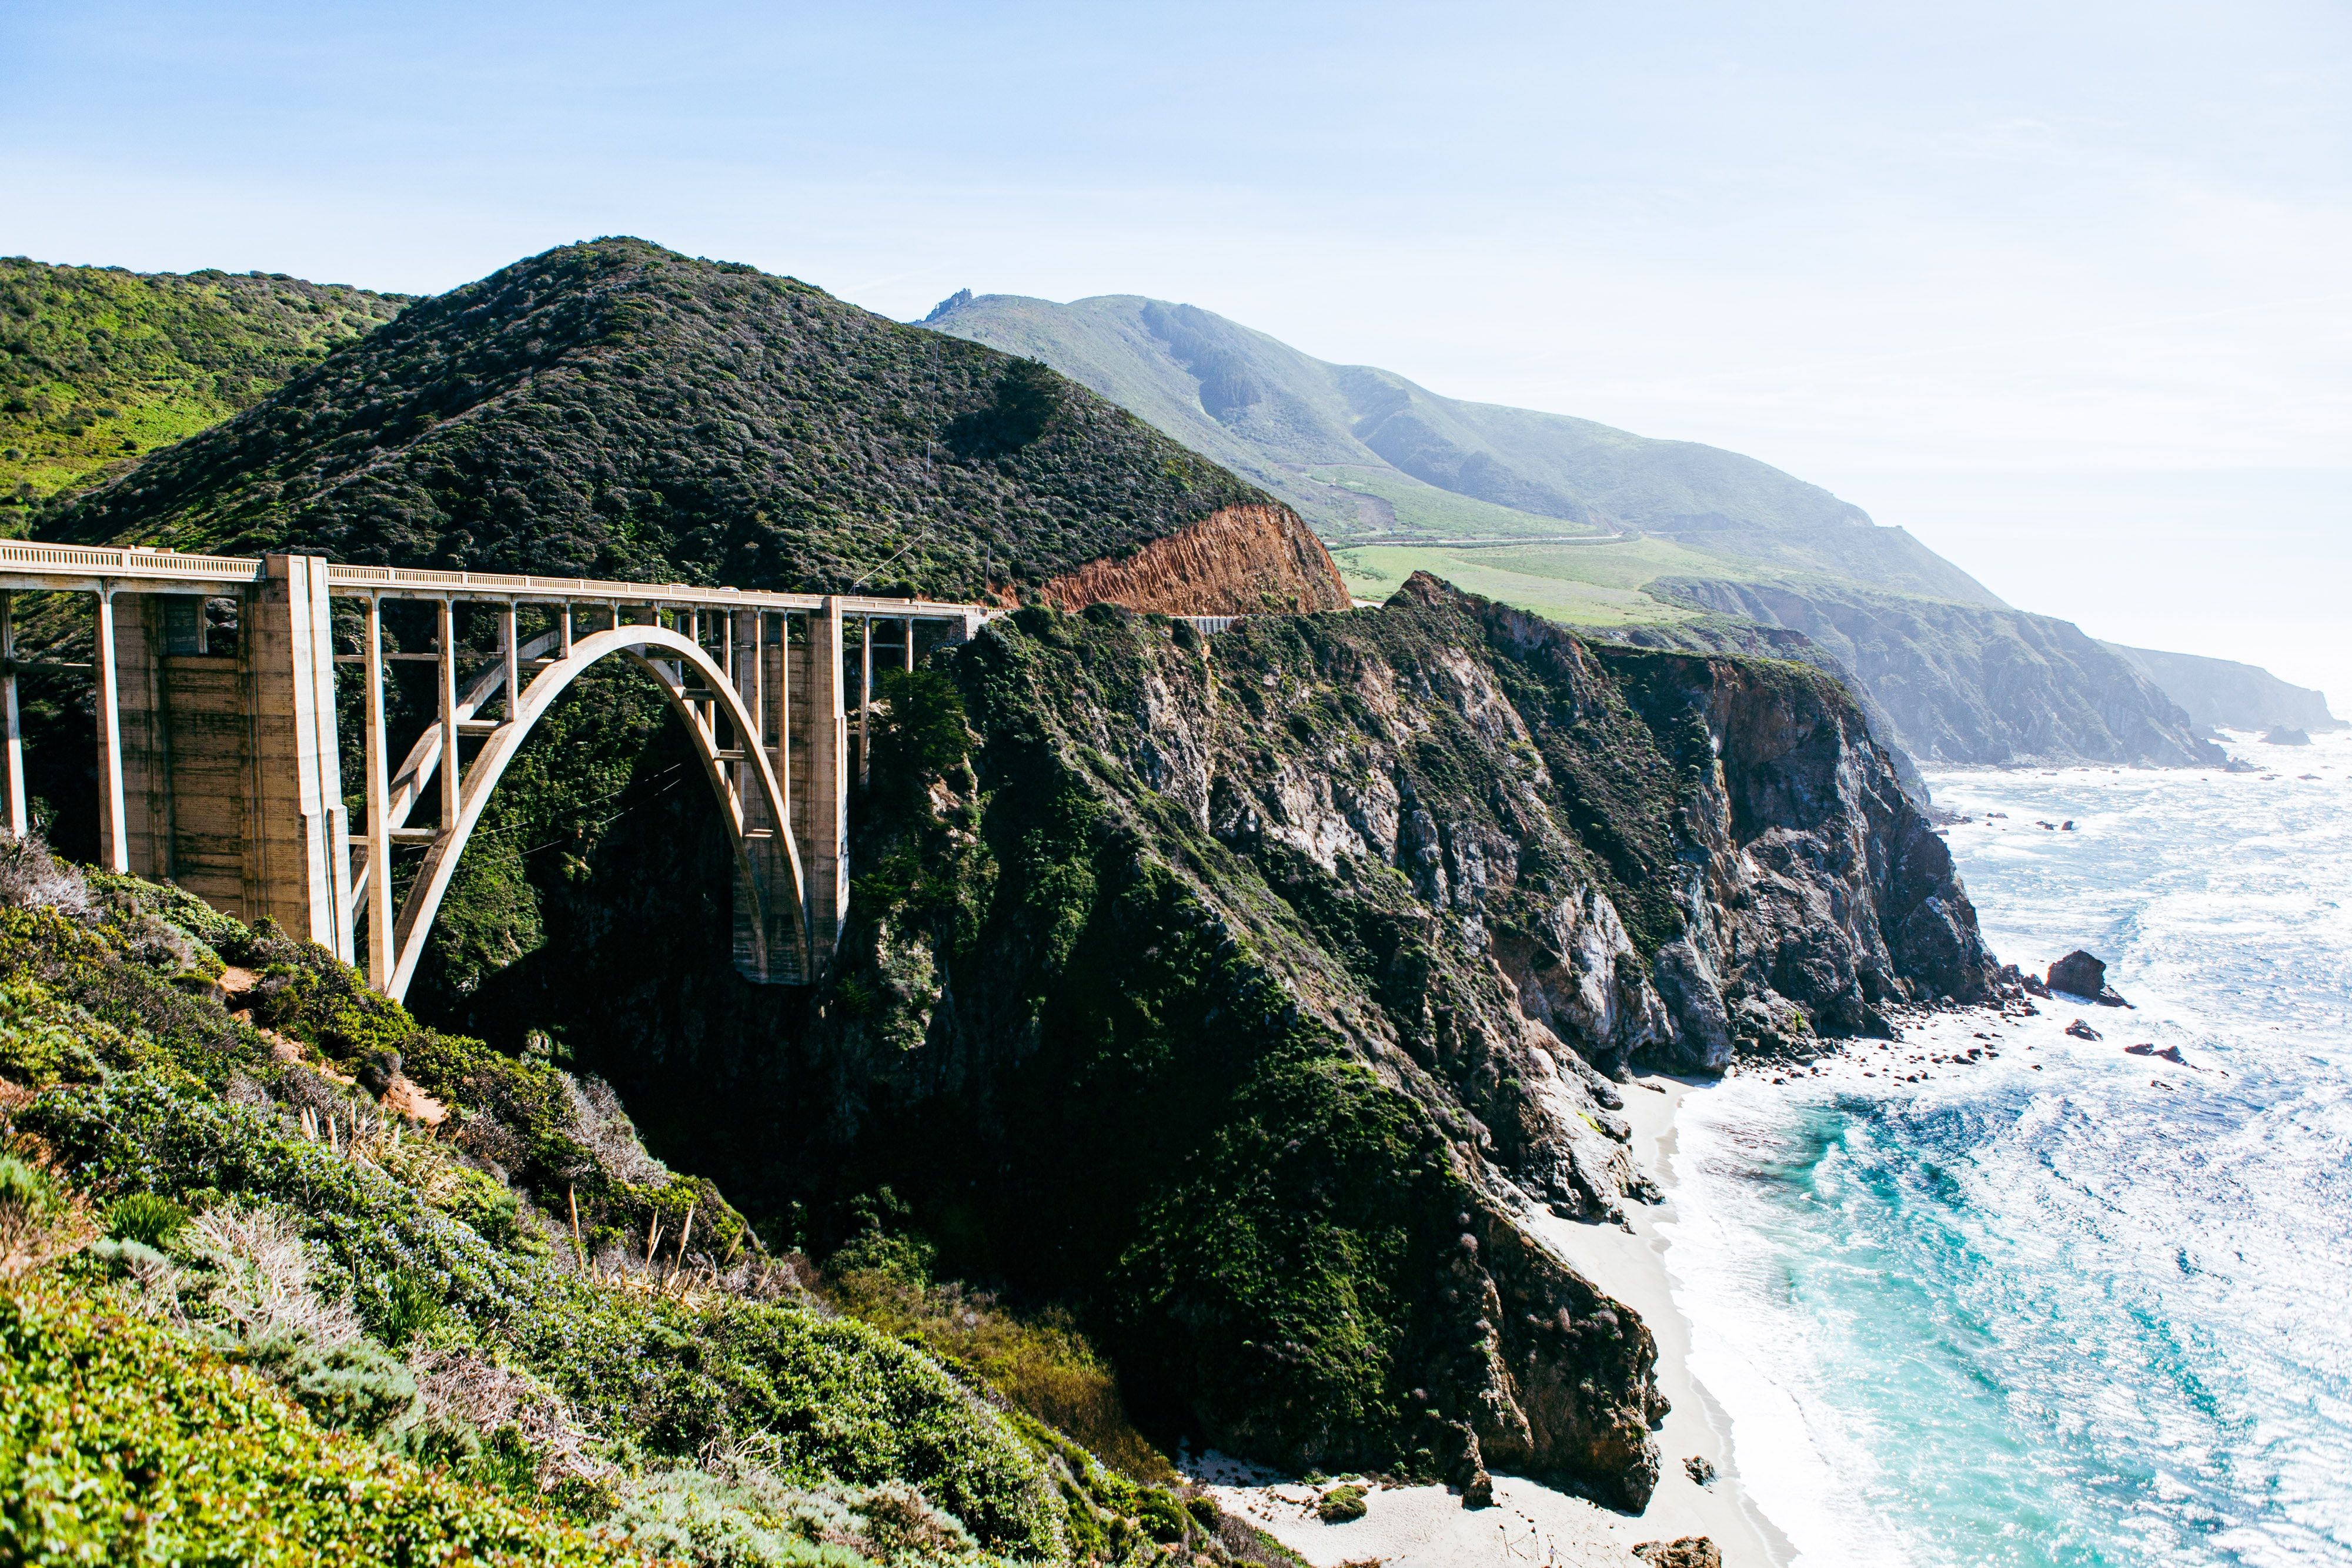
(1364, 453)
(1602, 529)
(613, 409)
(288, 1278)
(100, 366)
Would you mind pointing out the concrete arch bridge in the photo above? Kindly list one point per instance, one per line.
(221, 767)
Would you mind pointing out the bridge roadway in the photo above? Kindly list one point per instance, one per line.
(221, 768)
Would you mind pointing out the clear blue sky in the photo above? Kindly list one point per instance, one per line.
(2067, 289)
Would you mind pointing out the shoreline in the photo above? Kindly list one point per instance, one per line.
(1426, 1526)
(1632, 1268)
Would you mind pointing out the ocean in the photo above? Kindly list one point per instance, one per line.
(2067, 1304)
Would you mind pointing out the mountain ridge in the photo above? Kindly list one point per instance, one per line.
(1273, 412)
(1399, 479)
(615, 409)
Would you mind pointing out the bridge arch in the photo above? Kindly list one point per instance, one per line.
(650, 648)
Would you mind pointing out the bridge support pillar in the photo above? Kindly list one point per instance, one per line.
(232, 780)
(820, 786)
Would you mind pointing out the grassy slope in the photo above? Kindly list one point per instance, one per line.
(1275, 414)
(130, 1442)
(100, 366)
(613, 409)
(1365, 451)
(596, 1400)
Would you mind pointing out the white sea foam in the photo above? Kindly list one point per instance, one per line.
(2068, 1305)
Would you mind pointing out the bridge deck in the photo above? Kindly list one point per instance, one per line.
(25, 565)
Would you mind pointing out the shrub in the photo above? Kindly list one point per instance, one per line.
(1341, 1505)
(1041, 1365)
(39, 1220)
(127, 1443)
(31, 878)
(143, 1217)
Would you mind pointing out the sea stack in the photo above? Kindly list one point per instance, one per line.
(2080, 975)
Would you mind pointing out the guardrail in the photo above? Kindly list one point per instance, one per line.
(84, 560)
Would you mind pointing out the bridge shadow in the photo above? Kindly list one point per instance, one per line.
(595, 904)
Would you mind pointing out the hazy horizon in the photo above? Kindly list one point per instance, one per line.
(2061, 294)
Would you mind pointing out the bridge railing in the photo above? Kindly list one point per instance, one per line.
(20, 559)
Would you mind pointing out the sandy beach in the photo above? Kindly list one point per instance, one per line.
(1426, 1526)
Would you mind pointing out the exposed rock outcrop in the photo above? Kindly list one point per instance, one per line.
(2080, 975)
(1313, 947)
(1972, 683)
(1239, 561)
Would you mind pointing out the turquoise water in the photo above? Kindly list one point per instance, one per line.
(2070, 1306)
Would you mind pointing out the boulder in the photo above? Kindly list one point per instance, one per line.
(2081, 1031)
(2080, 975)
(2282, 735)
(1690, 1551)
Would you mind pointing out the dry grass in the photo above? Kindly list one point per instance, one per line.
(464, 1386)
(31, 878)
(1040, 1365)
(41, 1219)
(260, 1280)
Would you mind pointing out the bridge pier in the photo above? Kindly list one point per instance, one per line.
(221, 772)
(812, 761)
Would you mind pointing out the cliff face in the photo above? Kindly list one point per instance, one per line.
(1240, 561)
(2224, 694)
(1966, 684)
(1250, 992)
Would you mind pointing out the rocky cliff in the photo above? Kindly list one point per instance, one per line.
(2224, 694)
(1248, 993)
(1240, 561)
(1969, 683)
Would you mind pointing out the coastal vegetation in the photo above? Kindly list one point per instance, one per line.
(613, 409)
(98, 366)
(1210, 1012)
(252, 1306)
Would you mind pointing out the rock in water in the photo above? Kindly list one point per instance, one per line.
(2081, 1031)
(2080, 975)
(2282, 735)
(1690, 1551)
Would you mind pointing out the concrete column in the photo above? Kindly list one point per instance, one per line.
(865, 688)
(508, 630)
(381, 952)
(784, 708)
(747, 639)
(298, 870)
(822, 795)
(146, 721)
(113, 831)
(10, 734)
(445, 667)
(910, 645)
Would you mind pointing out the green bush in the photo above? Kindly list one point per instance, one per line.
(833, 1403)
(126, 1443)
(145, 1217)
(1341, 1505)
